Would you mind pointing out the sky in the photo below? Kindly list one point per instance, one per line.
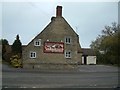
(29, 18)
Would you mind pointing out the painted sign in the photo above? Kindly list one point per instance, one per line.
(53, 47)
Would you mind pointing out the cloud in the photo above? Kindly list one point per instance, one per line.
(29, 18)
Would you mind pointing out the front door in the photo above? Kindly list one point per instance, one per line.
(85, 60)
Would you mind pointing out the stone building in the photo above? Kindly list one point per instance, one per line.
(57, 46)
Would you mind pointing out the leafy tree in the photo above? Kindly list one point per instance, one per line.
(3, 42)
(0, 41)
(17, 46)
(107, 46)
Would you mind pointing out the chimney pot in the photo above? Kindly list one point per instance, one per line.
(59, 11)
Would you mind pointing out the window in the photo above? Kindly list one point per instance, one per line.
(32, 54)
(37, 42)
(68, 40)
(67, 54)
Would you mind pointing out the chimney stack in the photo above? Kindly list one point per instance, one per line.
(59, 11)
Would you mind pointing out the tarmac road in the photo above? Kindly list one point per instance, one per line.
(87, 76)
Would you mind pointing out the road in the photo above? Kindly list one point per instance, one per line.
(86, 76)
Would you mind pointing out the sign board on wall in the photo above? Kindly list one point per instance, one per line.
(53, 47)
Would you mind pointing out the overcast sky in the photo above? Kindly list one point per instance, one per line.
(29, 18)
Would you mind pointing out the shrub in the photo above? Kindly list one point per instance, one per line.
(15, 61)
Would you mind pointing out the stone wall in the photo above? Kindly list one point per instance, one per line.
(56, 31)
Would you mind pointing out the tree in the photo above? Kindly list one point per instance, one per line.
(3, 42)
(0, 41)
(17, 46)
(107, 42)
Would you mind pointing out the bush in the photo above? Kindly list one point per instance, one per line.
(15, 61)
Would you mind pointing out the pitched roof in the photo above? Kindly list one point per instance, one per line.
(88, 51)
(57, 25)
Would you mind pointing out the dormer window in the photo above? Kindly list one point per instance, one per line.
(37, 42)
(68, 40)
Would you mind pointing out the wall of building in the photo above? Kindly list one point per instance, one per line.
(56, 31)
(91, 59)
(83, 60)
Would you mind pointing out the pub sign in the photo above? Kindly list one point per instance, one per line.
(53, 47)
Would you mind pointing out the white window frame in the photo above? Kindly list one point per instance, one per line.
(68, 54)
(37, 42)
(32, 54)
(68, 40)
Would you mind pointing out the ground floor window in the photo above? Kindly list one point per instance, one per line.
(32, 54)
(67, 54)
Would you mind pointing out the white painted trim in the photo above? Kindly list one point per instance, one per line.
(38, 40)
(68, 37)
(66, 54)
(31, 53)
